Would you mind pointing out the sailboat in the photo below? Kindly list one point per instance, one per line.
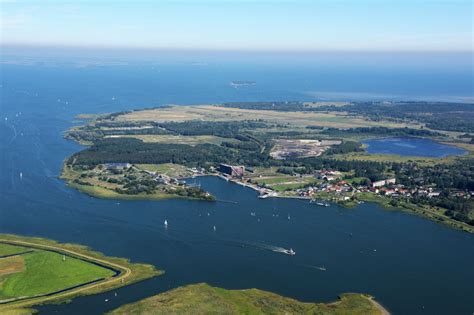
(166, 223)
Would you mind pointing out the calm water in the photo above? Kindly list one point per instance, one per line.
(412, 147)
(416, 263)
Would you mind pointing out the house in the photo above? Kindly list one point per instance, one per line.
(232, 170)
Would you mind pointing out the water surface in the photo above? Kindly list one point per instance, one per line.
(412, 147)
(411, 265)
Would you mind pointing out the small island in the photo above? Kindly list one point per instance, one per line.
(36, 271)
(306, 150)
(205, 299)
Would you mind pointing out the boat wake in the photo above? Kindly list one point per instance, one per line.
(321, 268)
(260, 246)
(278, 249)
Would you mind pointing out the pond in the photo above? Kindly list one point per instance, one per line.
(412, 147)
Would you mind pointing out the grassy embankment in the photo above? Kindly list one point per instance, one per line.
(204, 299)
(39, 269)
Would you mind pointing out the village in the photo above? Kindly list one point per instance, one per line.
(330, 185)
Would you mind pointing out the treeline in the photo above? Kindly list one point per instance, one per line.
(382, 131)
(226, 129)
(345, 147)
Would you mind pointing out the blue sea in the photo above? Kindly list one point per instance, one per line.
(411, 265)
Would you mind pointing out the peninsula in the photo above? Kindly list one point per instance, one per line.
(292, 149)
(205, 299)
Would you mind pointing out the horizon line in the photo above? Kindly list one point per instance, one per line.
(220, 50)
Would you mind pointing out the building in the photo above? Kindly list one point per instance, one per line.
(117, 166)
(232, 170)
(384, 182)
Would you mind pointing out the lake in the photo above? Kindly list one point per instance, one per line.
(406, 146)
(411, 265)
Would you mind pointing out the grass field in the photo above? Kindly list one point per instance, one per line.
(45, 272)
(6, 249)
(204, 299)
(284, 182)
(218, 113)
(168, 169)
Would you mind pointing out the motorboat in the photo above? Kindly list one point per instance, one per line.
(321, 204)
(290, 252)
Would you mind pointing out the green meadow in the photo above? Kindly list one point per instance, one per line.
(45, 272)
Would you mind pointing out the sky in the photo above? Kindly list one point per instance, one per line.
(244, 25)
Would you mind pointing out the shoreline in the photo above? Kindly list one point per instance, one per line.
(436, 217)
(379, 306)
(125, 270)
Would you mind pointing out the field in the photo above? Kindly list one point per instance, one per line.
(42, 272)
(168, 169)
(204, 299)
(38, 268)
(286, 182)
(6, 249)
(279, 182)
(10, 265)
(218, 113)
